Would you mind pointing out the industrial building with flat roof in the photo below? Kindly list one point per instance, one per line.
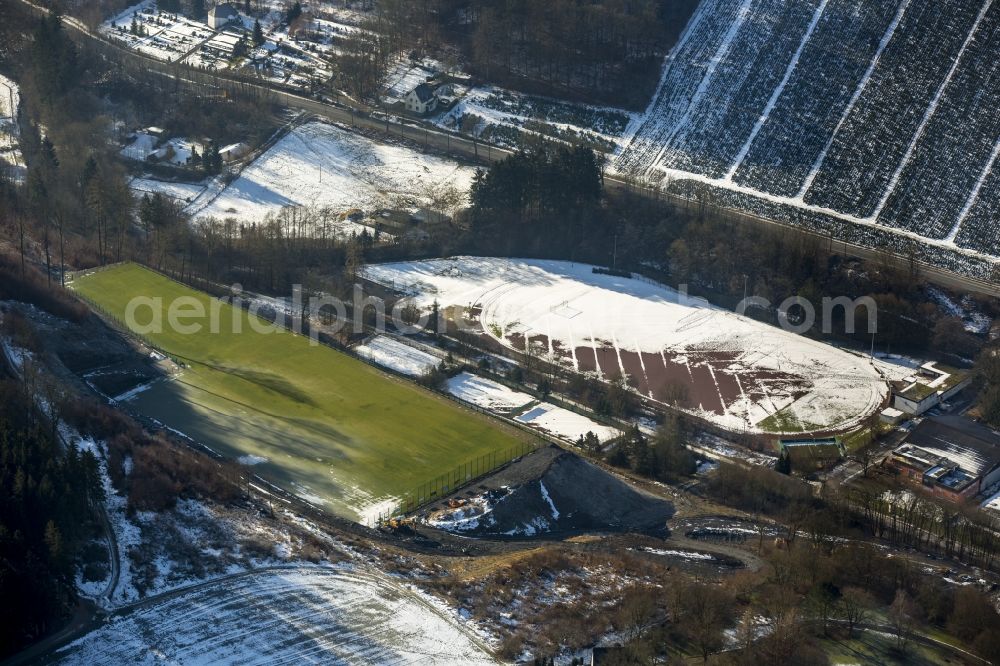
(949, 456)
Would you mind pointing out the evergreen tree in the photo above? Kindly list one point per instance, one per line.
(216, 160)
(590, 442)
(784, 464)
(241, 48)
(435, 320)
(258, 33)
(643, 461)
(53, 541)
(89, 173)
(673, 459)
(618, 456)
(54, 57)
(211, 160)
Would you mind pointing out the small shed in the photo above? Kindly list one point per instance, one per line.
(812, 453)
(233, 151)
(891, 415)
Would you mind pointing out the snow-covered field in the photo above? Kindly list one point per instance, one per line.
(487, 393)
(524, 408)
(729, 369)
(564, 423)
(835, 108)
(322, 165)
(182, 192)
(399, 356)
(502, 116)
(293, 615)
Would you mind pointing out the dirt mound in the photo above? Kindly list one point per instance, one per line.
(551, 491)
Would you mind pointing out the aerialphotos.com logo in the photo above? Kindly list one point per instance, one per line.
(327, 314)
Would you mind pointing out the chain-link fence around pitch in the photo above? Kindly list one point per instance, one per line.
(461, 475)
(122, 327)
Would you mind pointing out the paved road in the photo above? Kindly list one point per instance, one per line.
(916, 637)
(361, 116)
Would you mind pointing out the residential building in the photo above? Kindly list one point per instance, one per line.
(222, 15)
(421, 100)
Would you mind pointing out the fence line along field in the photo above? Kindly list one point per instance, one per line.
(317, 422)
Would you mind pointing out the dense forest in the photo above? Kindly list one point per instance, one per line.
(48, 496)
(600, 50)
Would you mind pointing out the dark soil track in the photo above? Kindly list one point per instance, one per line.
(707, 380)
(710, 380)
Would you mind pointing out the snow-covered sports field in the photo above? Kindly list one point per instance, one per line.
(523, 408)
(564, 423)
(399, 356)
(734, 371)
(322, 165)
(487, 394)
(290, 616)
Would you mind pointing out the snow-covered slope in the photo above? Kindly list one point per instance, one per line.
(320, 615)
(875, 121)
(325, 166)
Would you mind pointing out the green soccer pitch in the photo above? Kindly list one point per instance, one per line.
(316, 422)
